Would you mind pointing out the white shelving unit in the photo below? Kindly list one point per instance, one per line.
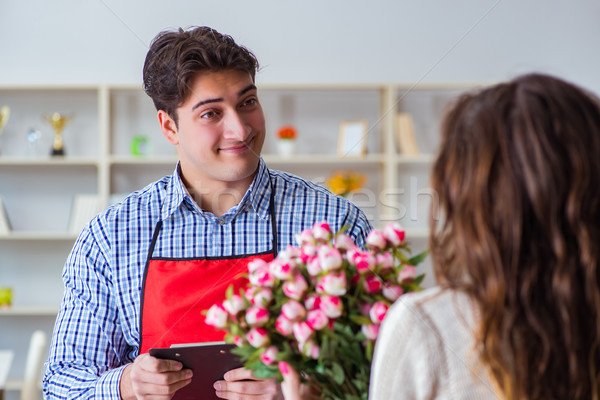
(38, 190)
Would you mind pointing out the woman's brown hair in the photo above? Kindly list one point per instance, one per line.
(518, 178)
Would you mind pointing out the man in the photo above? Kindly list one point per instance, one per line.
(143, 270)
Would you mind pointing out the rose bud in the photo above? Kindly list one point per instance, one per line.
(262, 277)
(322, 232)
(302, 331)
(344, 242)
(371, 331)
(305, 238)
(238, 341)
(375, 240)
(392, 291)
(317, 319)
(378, 311)
(334, 283)
(312, 302)
(307, 252)
(283, 325)
(258, 337)
(330, 257)
(407, 274)
(289, 253)
(332, 306)
(365, 309)
(234, 305)
(372, 284)
(385, 262)
(255, 264)
(394, 233)
(269, 356)
(293, 310)
(364, 261)
(309, 349)
(262, 296)
(295, 288)
(257, 316)
(217, 316)
(282, 269)
(314, 267)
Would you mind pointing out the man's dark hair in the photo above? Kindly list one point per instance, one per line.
(175, 57)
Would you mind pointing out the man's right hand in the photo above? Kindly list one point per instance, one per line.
(152, 378)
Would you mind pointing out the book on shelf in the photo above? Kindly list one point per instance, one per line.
(5, 227)
(405, 135)
(85, 207)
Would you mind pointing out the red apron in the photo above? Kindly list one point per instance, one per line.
(175, 292)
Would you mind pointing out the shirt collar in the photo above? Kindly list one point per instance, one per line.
(257, 197)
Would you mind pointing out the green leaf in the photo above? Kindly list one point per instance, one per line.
(361, 319)
(419, 258)
(229, 292)
(337, 373)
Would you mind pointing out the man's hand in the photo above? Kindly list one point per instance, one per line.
(151, 378)
(240, 384)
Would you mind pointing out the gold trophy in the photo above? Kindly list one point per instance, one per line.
(4, 114)
(58, 122)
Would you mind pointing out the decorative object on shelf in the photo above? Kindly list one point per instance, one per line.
(405, 135)
(140, 145)
(319, 307)
(33, 137)
(352, 140)
(6, 296)
(345, 182)
(85, 207)
(5, 227)
(4, 115)
(58, 122)
(286, 140)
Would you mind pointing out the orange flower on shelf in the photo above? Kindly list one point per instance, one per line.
(345, 182)
(287, 132)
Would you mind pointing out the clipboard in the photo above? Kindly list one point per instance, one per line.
(209, 362)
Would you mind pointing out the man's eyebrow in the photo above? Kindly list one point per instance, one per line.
(218, 99)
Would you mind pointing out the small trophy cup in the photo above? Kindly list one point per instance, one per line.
(58, 122)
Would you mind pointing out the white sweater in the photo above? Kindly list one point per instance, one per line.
(425, 350)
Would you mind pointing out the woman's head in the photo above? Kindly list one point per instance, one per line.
(175, 57)
(518, 177)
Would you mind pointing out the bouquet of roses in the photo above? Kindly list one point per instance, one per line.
(319, 306)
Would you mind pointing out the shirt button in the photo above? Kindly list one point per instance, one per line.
(222, 222)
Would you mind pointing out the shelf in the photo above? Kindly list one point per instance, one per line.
(323, 159)
(143, 160)
(38, 235)
(416, 159)
(48, 161)
(28, 311)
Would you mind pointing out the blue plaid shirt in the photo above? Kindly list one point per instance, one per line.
(97, 329)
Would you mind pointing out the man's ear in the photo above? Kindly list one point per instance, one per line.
(168, 127)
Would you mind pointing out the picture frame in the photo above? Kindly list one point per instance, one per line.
(352, 140)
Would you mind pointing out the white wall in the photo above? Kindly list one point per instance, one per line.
(105, 41)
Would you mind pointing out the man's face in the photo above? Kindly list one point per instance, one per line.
(220, 130)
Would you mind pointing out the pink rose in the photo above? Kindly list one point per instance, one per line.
(322, 232)
(260, 296)
(262, 277)
(238, 341)
(290, 253)
(234, 305)
(283, 325)
(295, 288)
(364, 261)
(302, 331)
(314, 266)
(305, 238)
(255, 264)
(394, 233)
(258, 337)
(391, 291)
(282, 269)
(217, 316)
(309, 349)
(330, 258)
(317, 319)
(344, 242)
(372, 284)
(257, 316)
(378, 311)
(375, 240)
(333, 283)
(407, 274)
(385, 261)
(312, 302)
(332, 306)
(307, 252)
(293, 310)
(371, 331)
(269, 356)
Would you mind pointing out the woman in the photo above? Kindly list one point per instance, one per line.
(516, 255)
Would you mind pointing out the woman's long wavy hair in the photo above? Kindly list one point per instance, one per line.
(518, 178)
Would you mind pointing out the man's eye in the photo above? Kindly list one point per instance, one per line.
(249, 102)
(208, 115)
